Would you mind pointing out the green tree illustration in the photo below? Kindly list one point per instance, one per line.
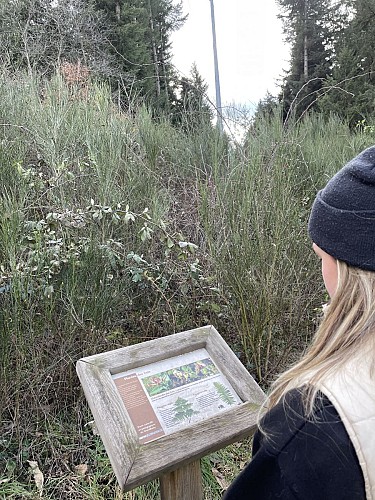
(224, 394)
(183, 410)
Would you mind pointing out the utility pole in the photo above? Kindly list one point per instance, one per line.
(216, 64)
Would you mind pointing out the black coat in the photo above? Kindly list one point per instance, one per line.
(300, 458)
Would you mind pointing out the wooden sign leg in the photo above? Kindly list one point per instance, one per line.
(182, 484)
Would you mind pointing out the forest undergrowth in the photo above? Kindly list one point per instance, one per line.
(115, 229)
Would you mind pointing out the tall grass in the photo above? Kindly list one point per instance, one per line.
(100, 216)
(255, 215)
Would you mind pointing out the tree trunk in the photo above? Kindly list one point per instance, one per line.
(305, 51)
(154, 53)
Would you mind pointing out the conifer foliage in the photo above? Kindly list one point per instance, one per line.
(191, 110)
(140, 40)
(332, 59)
(351, 85)
(307, 28)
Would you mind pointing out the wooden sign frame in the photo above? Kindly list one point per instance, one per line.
(135, 463)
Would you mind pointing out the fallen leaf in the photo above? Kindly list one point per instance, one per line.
(81, 469)
(38, 476)
(224, 484)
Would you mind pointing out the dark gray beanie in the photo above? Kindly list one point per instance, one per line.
(342, 219)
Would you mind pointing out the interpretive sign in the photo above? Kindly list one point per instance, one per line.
(169, 395)
(165, 403)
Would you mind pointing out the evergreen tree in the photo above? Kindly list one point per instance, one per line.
(191, 109)
(130, 42)
(308, 27)
(266, 107)
(350, 89)
(164, 18)
(141, 41)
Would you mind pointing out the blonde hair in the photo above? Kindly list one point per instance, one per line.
(346, 330)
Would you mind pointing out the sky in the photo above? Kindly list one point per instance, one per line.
(251, 51)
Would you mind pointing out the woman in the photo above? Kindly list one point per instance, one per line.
(317, 440)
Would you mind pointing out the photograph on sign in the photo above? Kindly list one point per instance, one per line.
(169, 395)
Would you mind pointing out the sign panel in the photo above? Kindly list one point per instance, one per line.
(165, 403)
(164, 397)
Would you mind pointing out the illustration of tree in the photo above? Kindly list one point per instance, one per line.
(224, 394)
(183, 410)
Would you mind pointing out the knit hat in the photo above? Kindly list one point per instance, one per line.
(342, 219)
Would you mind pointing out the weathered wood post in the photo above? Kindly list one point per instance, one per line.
(184, 483)
(161, 405)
